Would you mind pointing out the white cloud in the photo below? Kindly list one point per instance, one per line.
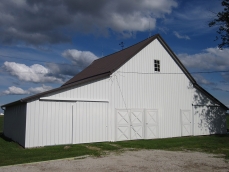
(35, 73)
(51, 72)
(33, 90)
(211, 59)
(181, 36)
(80, 58)
(14, 90)
(201, 80)
(41, 89)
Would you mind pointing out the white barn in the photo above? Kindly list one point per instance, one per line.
(141, 92)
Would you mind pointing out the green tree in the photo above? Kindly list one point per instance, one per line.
(222, 21)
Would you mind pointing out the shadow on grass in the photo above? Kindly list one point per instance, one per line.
(221, 135)
(5, 138)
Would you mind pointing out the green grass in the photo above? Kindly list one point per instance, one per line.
(12, 153)
(216, 144)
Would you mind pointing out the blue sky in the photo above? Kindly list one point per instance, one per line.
(45, 43)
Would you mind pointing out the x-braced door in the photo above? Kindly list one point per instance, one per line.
(136, 125)
(129, 124)
(151, 124)
(186, 123)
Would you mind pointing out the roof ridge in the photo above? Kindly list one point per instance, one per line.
(154, 36)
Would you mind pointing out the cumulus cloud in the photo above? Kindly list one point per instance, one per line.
(38, 22)
(201, 80)
(14, 90)
(211, 59)
(62, 71)
(80, 58)
(43, 88)
(19, 91)
(51, 72)
(35, 73)
(181, 36)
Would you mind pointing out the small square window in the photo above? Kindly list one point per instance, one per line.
(156, 65)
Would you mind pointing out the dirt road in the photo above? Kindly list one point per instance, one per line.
(142, 160)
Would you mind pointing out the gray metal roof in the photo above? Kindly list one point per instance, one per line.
(104, 67)
(111, 62)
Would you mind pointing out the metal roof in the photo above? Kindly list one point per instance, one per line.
(104, 67)
(111, 62)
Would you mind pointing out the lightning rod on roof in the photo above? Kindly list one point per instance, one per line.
(121, 44)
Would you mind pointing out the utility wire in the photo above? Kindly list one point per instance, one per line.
(198, 72)
(159, 73)
(44, 61)
(36, 60)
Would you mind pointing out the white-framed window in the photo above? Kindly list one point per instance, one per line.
(157, 65)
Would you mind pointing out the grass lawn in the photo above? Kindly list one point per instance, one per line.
(12, 153)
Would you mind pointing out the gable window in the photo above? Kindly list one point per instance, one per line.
(157, 65)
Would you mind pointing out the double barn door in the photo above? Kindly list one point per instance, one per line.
(135, 124)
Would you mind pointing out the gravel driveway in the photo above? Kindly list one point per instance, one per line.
(142, 160)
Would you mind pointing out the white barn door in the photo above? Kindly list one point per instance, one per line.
(123, 125)
(186, 123)
(136, 124)
(90, 122)
(130, 124)
(151, 124)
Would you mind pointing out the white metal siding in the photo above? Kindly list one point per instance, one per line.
(90, 122)
(209, 120)
(48, 123)
(15, 122)
(208, 117)
(94, 90)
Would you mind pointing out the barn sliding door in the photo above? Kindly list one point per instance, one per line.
(50, 124)
(90, 122)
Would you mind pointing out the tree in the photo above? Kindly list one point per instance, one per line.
(222, 21)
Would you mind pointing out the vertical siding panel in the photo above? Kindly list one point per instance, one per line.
(41, 122)
(32, 115)
(43, 126)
